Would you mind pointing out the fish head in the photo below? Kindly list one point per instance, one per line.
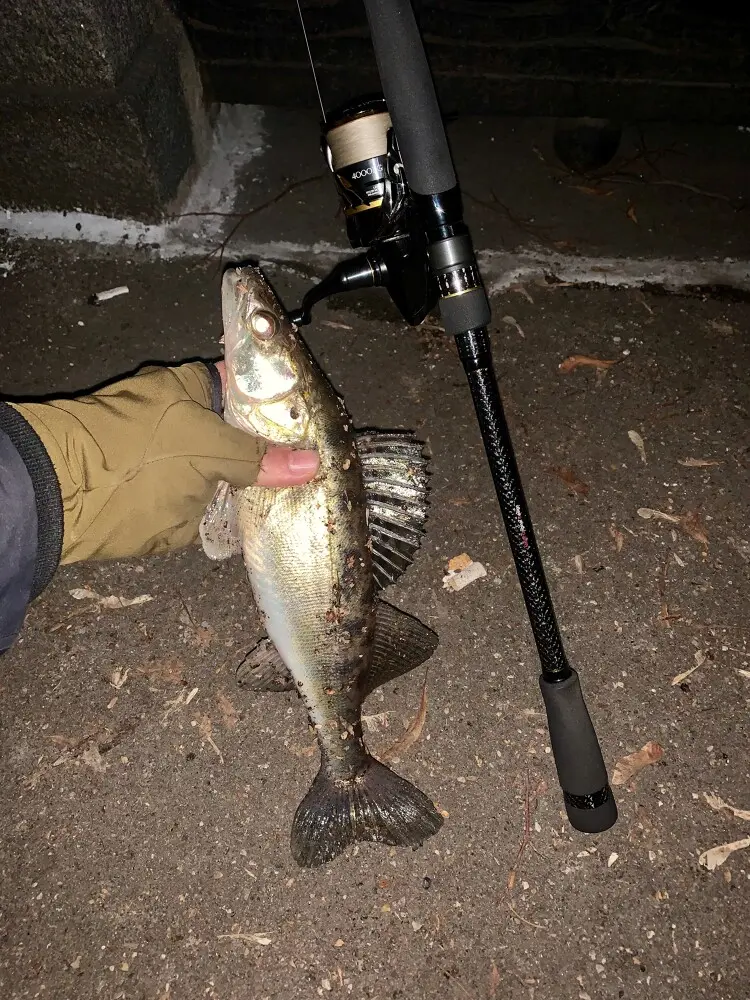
(265, 361)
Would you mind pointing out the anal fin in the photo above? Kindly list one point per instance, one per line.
(264, 670)
(401, 643)
(395, 477)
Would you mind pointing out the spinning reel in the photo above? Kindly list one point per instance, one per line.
(360, 147)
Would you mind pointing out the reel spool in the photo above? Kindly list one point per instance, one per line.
(361, 152)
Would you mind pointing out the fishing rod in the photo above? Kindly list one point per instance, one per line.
(392, 166)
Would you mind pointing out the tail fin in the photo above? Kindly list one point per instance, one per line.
(379, 806)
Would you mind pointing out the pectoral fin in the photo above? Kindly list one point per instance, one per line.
(264, 670)
(219, 529)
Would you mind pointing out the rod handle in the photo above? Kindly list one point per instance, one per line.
(409, 92)
(589, 801)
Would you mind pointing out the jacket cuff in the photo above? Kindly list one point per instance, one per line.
(217, 395)
(49, 506)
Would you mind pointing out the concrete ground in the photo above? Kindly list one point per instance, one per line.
(144, 853)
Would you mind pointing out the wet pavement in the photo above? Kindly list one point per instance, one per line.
(148, 801)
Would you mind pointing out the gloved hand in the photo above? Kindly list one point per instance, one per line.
(139, 460)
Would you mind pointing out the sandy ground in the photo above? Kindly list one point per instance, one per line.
(148, 801)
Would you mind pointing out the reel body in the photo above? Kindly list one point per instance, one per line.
(360, 148)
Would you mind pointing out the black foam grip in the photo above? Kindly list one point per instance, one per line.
(469, 311)
(589, 802)
(410, 95)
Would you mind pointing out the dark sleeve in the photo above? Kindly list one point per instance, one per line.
(31, 521)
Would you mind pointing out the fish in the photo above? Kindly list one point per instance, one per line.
(318, 557)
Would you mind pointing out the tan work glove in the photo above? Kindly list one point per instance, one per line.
(139, 460)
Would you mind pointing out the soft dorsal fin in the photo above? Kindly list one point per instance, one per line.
(395, 477)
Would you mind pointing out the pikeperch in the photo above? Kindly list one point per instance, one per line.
(316, 555)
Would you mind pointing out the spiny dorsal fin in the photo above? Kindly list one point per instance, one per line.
(395, 477)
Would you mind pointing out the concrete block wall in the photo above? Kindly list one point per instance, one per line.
(101, 107)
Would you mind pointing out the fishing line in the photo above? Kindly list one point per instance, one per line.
(309, 56)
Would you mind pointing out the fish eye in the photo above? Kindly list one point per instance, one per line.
(263, 324)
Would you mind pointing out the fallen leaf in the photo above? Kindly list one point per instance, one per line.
(659, 515)
(202, 636)
(679, 678)
(92, 758)
(522, 290)
(597, 192)
(112, 601)
(374, 723)
(167, 671)
(197, 634)
(457, 563)
(261, 939)
(618, 537)
(719, 805)
(335, 325)
(637, 440)
(64, 742)
(629, 766)
(724, 328)
(578, 563)
(568, 476)
(691, 525)
(83, 594)
(578, 360)
(205, 729)
(680, 562)
(180, 701)
(716, 856)
(118, 678)
(689, 522)
(700, 659)
(494, 980)
(631, 214)
(229, 714)
(414, 731)
(696, 463)
(512, 321)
